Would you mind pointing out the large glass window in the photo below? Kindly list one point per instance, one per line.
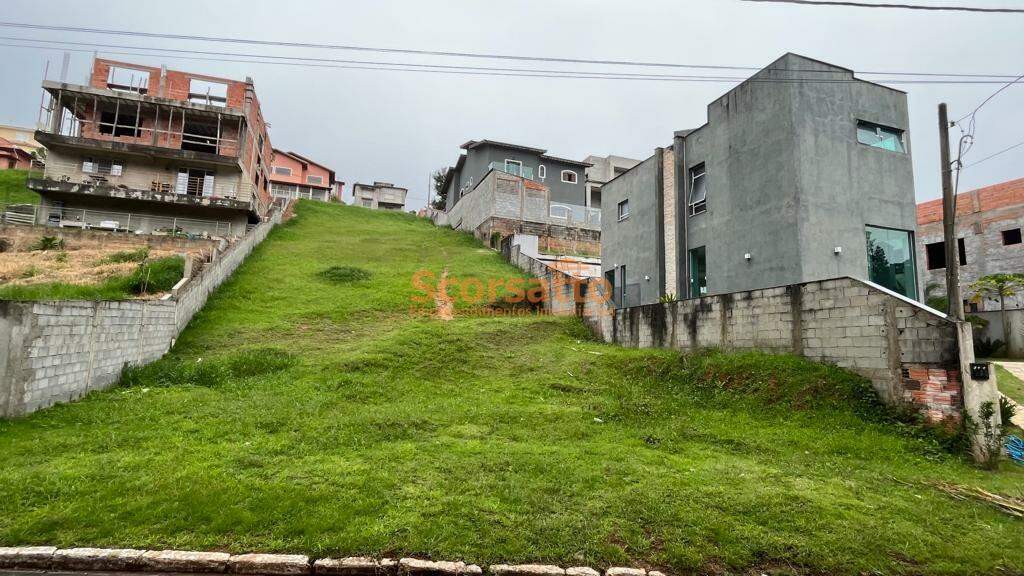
(698, 273)
(698, 189)
(878, 136)
(891, 260)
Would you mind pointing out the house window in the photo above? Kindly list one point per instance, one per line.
(542, 171)
(282, 171)
(102, 167)
(935, 254)
(118, 125)
(314, 179)
(514, 167)
(698, 189)
(891, 260)
(1011, 237)
(128, 80)
(569, 177)
(698, 272)
(624, 209)
(878, 136)
(209, 93)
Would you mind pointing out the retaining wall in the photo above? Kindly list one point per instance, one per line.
(907, 350)
(58, 351)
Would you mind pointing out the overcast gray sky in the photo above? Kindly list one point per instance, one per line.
(398, 126)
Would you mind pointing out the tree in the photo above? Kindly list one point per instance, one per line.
(439, 189)
(1001, 286)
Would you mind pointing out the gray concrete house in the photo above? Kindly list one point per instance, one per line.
(601, 170)
(379, 196)
(564, 178)
(801, 173)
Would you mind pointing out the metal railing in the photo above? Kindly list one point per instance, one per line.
(513, 169)
(104, 173)
(575, 214)
(130, 222)
(77, 115)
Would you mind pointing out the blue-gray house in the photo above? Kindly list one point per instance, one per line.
(565, 179)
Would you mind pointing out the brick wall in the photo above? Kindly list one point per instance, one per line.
(58, 351)
(906, 350)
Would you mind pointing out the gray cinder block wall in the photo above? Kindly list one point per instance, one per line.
(58, 351)
(908, 351)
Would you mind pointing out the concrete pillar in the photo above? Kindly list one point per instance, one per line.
(976, 393)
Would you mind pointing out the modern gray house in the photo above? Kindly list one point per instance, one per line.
(801, 173)
(565, 179)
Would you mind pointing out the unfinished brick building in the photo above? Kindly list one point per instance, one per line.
(988, 228)
(152, 150)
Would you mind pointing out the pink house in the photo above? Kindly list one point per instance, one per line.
(13, 157)
(295, 176)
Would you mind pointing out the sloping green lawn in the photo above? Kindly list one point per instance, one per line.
(1010, 384)
(301, 415)
(13, 190)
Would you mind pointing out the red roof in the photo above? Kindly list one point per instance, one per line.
(1002, 195)
(6, 144)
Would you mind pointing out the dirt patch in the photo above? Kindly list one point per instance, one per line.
(68, 267)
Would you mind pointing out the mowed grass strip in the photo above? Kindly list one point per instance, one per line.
(304, 415)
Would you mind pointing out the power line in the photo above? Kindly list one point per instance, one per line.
(990, 156)
(991, 96)
(897, 6)
(416, 65)
(475, 70)
(479, 55)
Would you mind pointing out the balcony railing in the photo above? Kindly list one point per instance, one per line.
(80, 116)
(111, 173)
(513, 169)
(573, 214)
(132, 222)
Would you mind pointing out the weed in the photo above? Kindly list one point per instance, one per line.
(126, 256)
(344, 274)
(48, 243)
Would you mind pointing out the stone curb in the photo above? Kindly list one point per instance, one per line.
(180, 561)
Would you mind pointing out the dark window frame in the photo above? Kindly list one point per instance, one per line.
(1011, 237)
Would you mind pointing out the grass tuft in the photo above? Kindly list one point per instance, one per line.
(344, 274)
(137, 255)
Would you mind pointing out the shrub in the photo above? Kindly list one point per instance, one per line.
(62, 257)
(48, 243)
(30, 272)
(344, 274)
(1006, 411)
(987, 347)
(156, 276)
(127, 256)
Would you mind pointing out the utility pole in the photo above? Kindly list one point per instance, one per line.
(956, 304)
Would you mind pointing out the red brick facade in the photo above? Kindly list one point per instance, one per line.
(252, 147)
(936, 391)
(1003, 195)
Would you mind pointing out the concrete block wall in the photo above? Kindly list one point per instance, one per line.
(850, 323)
(58, 351)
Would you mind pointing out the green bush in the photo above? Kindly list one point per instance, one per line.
(987, 347)
(127, 256)
(1006, 411)
(344, 274)
(48, 243)
(156, 276)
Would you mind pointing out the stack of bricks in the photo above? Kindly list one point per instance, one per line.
(936, 390)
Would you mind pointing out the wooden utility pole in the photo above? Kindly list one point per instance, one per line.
(956, 304)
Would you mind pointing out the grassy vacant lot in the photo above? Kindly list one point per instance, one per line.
(300, 414)
(13, 190)
(1010, 384)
